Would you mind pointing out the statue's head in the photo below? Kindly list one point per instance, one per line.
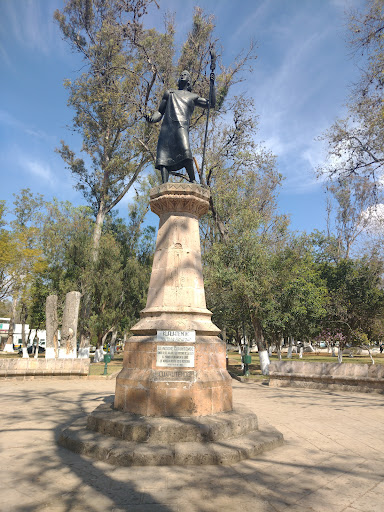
(185, 81)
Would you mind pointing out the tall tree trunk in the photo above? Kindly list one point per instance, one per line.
(219, 223)
(278, 347)
(99, 353)
(9, 345)
(113, 344)
(23, 338)
(369, 353)
(36, 343)
(290, 347)
(85, 335)
(340, 354)
(97, 232)
(263, 353)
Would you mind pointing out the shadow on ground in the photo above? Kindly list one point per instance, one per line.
(43, 476)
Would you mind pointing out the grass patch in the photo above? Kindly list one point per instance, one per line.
(114, 366)
(98, 368)
(14, 355)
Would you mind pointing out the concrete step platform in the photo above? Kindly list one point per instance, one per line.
(145, 429)
(220, 439)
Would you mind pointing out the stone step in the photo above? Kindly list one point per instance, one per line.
(131, 427)
(127, 453)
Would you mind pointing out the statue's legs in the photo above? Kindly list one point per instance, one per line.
(190, 171)
(189, 167)
(164, 174)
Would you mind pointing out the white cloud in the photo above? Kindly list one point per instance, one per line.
(4, 55)
(298, 89)
(38, 169)
(275, 144)
(375, 217)
(8, 119)
(255, 18)
(30, 24)
(314, 155)
(345, 4)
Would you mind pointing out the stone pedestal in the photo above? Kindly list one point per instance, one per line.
(173, 400)
(175, 365)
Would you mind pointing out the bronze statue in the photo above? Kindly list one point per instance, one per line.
(176, 109)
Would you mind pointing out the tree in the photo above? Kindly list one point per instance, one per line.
(356, 299)
(296, 306)
(28, 258)
(106, 284)
(352, 218)
(355, 144)
(65, 232)
(115, 282)
(38, 293)
(239, 264)
(137, 245)
(6, 256)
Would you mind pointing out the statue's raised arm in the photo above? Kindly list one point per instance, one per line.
(176, 109)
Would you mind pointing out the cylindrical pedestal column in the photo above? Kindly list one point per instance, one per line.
(175, 364)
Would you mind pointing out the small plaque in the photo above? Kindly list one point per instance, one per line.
(180, 336)
(174, 376)
(175, 355)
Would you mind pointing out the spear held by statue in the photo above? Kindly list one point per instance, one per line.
(211, 102)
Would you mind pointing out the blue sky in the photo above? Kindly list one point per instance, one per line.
(300, 84)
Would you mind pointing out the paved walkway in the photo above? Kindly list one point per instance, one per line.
(333, 459)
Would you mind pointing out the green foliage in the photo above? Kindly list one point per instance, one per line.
(238, 255)
(356, 296)
(28, 260)
(104, 278)
(66, 233)
(37, 298)
(297, 304)
(6, 255)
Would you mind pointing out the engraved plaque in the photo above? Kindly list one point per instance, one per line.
(174, 376)
(183, 336)
(177, 356)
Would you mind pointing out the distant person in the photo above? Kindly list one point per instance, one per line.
(381, 348)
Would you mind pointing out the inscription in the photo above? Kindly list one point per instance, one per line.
(178, 356)
(183, 336)
(174, 376)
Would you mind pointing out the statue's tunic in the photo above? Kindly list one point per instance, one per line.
(173, 146)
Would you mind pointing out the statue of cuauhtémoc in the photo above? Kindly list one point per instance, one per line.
(176, 109)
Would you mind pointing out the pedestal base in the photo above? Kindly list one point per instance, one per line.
(124, 439)
(144, 388)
